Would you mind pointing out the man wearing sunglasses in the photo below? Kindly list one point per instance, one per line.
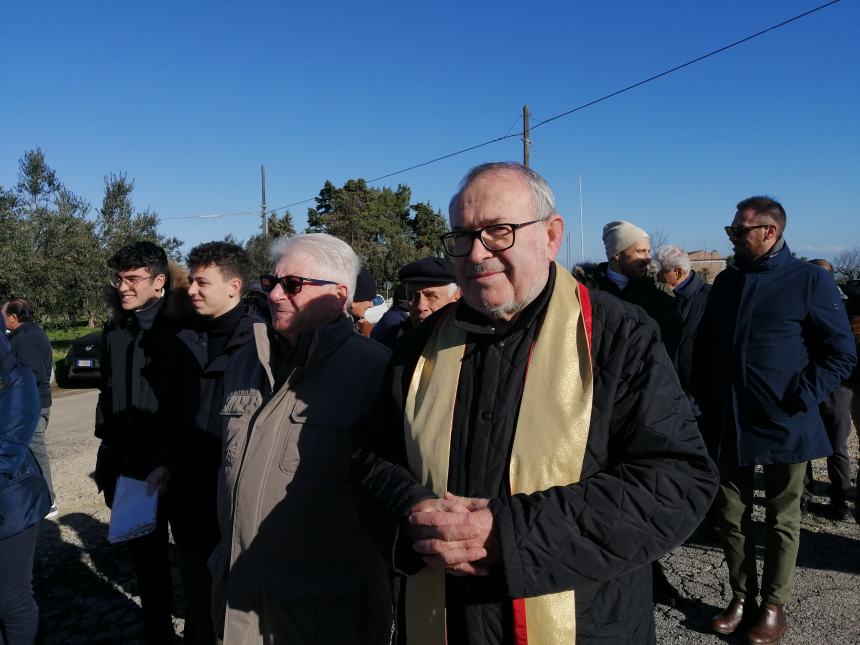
(552, 453)
(294, 564)
(773, 343)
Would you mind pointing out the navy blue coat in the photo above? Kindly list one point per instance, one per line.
(691, 297)
(33, 349)
(773, 343)
(24, 498)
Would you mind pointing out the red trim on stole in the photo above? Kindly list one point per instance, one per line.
(521, 636)
(585, 303)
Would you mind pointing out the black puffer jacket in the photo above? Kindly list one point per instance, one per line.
(646, 479)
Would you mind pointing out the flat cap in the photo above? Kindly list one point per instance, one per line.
(429, 271)
(365, 287)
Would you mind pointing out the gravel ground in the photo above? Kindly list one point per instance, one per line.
(87, 594)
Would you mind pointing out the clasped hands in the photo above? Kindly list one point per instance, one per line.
(455, 533)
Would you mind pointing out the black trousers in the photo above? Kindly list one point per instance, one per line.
(195, 532)
(836, 413)
(19, 615)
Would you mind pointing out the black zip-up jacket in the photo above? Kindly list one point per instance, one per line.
(195, 417)
(136, 390)
(646, 480)
(33, 349)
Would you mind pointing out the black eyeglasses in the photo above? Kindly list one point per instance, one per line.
(495, 237)
(740, 231)
(132, 280)
(291, 284)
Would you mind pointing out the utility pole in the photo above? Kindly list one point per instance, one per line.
(263, 210)
(526, 140)
(581, 225)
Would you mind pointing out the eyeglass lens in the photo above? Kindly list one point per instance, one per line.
(494, 238)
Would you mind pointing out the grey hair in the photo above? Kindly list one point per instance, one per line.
(669, 257)
(337, 261)
(542, 197)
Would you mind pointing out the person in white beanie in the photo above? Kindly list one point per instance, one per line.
(628, 250)
(625, 274)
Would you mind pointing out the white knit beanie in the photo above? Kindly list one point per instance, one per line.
(618, 235)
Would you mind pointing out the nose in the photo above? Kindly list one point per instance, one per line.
(277, 293)
(192, 289)
(478, 253)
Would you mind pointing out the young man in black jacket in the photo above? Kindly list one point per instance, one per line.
(218, 278)
(139, 352)
(32, 348)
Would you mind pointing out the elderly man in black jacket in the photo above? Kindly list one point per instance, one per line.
(537, 451)
(691, 295)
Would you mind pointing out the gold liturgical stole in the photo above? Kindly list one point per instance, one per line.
(548, 450)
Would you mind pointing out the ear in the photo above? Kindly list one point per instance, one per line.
(235, 287)
(159, 281)
(342, 293)
(555, 234)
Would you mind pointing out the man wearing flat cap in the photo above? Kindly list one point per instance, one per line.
(365, 292)
(430, 285)
(625, 275)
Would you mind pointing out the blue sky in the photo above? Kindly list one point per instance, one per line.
(190, 98)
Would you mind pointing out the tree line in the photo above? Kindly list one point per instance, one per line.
(54, 245)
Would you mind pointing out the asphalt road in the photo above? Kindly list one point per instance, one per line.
(86, 590)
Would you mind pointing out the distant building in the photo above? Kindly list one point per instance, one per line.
(707, 264)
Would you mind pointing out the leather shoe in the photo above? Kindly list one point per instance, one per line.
(727, 621)
(839, 510)
(769, 626)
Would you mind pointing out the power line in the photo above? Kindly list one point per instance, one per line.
(568, 112)
(683, 65)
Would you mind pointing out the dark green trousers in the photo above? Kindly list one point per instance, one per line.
(783, 487)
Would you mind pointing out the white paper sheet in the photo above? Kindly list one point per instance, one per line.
(134, 512)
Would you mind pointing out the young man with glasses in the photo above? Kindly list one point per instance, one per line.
(773, 343)
(294, 564)
(539, 452)
(139, 352)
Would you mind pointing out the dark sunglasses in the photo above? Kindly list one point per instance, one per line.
(739, 231)
(291, 284)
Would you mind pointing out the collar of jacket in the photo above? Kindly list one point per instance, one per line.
(777, 257)
(313, 345)
(23, 328)
(690, 287)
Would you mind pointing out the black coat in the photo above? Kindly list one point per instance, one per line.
(646, 294)
(646, 479)
(692, 297)
(32, 348)
(136, 391)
